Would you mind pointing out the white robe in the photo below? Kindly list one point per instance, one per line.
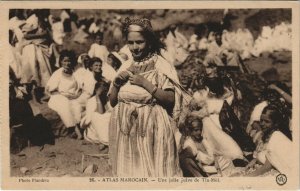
(97, 124)
(99, 51)
(278, 152)
(222, 144)
(69, 110)
(176, 47)
(87, 82)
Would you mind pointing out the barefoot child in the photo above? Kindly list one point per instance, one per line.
(196, 152)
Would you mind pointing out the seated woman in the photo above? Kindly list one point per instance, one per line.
(220, 122)
(270, 96)
(272, 153)
(96, 120)
(88, 79)
(64, 90)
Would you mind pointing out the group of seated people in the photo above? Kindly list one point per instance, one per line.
(78, 93)
(214, 142)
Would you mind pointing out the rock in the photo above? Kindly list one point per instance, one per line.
(90, 169)
(24, 170)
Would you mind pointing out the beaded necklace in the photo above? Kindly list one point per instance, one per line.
(144, 65)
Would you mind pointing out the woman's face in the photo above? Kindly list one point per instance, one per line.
(66, 64)
(265, 121)
(97, 67)
(137, 45)
(196, 128)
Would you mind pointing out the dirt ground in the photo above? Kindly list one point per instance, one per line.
(68, 157)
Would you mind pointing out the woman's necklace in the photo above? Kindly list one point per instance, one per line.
(145, 64)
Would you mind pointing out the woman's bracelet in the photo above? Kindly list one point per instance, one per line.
(153, 91)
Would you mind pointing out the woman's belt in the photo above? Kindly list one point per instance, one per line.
(132, 118)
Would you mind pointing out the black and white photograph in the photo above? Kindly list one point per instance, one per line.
(146, 93)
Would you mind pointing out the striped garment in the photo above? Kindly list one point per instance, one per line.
(142, 142)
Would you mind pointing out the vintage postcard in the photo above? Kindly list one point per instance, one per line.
(149, 95)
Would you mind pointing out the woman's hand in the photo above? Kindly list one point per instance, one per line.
(137, 80)
(122, 78)
(201, 113)
(287, 97)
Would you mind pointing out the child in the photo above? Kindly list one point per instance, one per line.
(196, 151)
(97, 116)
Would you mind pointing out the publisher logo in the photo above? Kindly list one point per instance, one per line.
(281, 179)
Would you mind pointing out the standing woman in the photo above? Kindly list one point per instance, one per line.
(146, 97)
(37, 57)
